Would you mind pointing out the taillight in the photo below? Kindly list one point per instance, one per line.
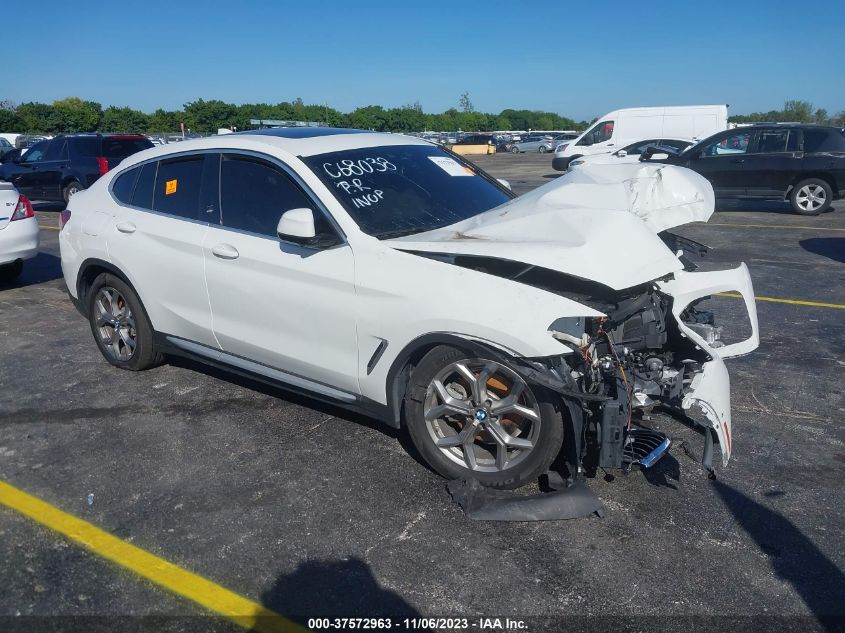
(23, 209)
(64, 218)
(103, 164)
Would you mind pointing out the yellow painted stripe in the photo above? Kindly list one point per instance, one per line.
(51, 228)
(775, 226)
(212, 596)
(795, 302)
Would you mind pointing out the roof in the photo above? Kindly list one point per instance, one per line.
(282, 142)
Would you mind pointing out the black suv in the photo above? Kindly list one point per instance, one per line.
(804, 164)
(57, 168)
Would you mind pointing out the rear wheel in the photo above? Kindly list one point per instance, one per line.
(811, 197)
(120, 324)
(72, 188)
(475, 417)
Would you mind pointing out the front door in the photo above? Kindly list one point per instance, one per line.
(723, 163)
(285, 306)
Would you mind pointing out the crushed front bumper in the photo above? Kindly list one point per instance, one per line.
(710, 390)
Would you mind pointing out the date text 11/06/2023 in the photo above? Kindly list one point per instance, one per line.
(413, 624)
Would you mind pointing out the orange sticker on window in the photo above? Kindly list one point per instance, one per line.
(170, 187)
(469, 171)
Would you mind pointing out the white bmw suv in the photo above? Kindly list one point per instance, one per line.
(385, 274)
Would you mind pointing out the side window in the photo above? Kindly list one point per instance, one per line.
(599, 133)
(639, 148)
(736, 143)
(57, 149)
(177, 186)
(772, 141)
(677, 146)
(254, 194)
(125, 184)
(142, 196)
(824, 140)
(36, 152)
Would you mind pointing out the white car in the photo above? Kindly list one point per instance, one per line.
(632, 152)
(381, 273)
(18, 232)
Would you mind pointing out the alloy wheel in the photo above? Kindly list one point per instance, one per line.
(811, 197)
(481, 415)
(115, 323)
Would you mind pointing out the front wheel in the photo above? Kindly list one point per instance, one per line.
(514, 150)
(120, 324)
(542, 149)
(811, 197)
(475, 417)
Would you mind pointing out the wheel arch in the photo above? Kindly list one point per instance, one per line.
(90, 269)
(820, 175)
(399, 374)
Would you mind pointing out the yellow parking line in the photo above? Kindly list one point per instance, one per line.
(795, 302)
(774, 226)
(52, 228)
(212, 596)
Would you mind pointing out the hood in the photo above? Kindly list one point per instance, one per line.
(598, 223)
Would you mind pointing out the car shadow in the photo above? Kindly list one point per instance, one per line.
(830, 247)
(278, 391)
(793, 557)
(42, 205)
(329, 589)
(730, 205)
(41, 268)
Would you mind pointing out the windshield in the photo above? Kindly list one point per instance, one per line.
(404, 189)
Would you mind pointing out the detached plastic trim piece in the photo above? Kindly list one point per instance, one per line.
(484, 504)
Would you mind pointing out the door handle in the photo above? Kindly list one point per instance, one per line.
(738, 160)
(125, 227)
(225, 251)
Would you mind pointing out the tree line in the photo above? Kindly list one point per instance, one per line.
(77, 115)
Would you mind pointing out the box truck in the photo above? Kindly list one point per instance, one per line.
(622, 127)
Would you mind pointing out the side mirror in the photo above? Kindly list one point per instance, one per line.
(621, 153)
(297, 226)
(504, 183)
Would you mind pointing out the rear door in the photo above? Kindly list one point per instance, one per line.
(772, 163)
(723, 162)
(156, 238)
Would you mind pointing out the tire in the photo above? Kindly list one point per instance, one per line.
(514, 150)
(125, 338)
(10, 272)
(811, 197)
(542, 149)
(475, 442)
(71, 188)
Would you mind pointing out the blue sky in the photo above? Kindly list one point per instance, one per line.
(576, 58)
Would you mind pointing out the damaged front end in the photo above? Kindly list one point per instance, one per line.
(653, 349)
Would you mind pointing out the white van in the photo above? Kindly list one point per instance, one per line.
(622, 127)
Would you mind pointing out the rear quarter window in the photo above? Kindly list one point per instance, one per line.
(124, 185)
(824, 141)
